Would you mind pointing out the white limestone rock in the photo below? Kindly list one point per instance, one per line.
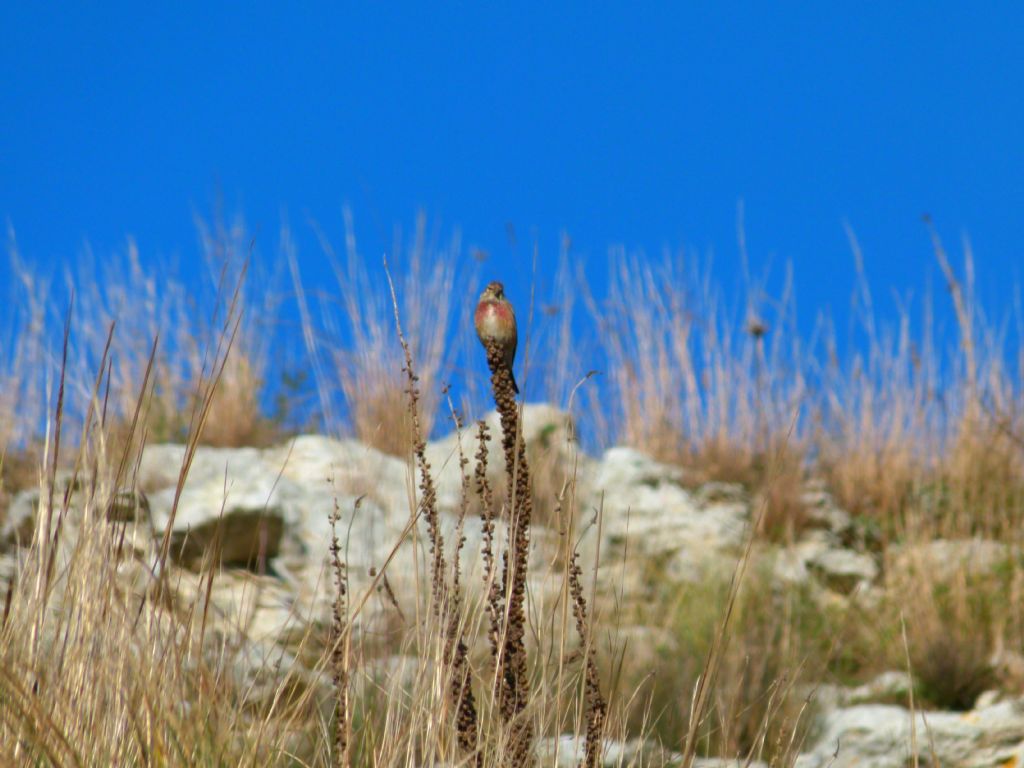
(646, 517)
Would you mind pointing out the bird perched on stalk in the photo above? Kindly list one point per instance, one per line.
(496, 323)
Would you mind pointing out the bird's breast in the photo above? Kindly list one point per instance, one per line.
(494, 320)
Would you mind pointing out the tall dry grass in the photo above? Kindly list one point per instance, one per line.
(348, 332)
(688, 376)
(103, 660)
(131, 305)
(109, 651)
(917, 435)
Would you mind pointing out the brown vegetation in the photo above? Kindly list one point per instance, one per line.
(919, 442)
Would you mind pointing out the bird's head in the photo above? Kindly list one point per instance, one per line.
(494, 291)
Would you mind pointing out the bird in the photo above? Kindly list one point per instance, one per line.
(495, 321)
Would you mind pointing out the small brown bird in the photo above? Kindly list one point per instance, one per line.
(495, 321)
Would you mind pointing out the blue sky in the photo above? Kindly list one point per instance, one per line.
(638, 124)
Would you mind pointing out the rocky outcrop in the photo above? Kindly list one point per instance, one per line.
(567, 752)
(646, 529)
(887, 736)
